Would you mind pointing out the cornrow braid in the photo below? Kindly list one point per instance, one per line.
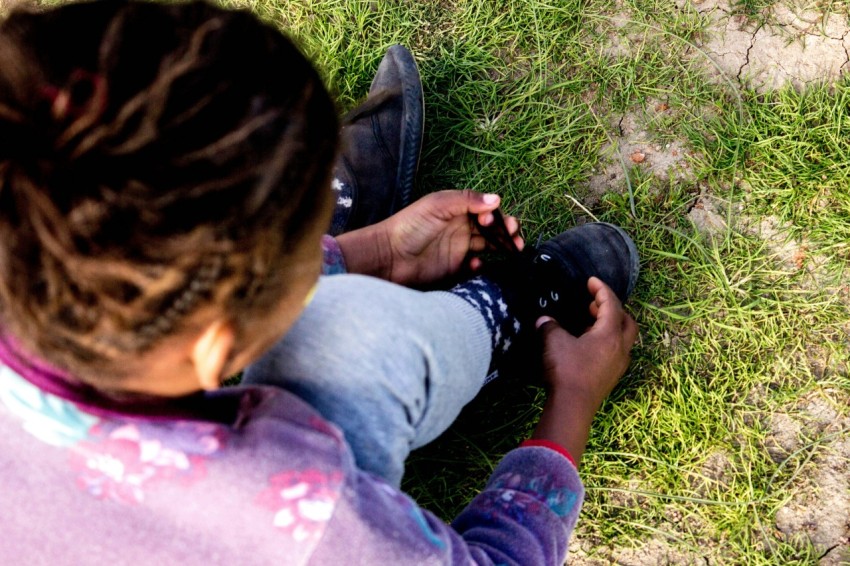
(143, 176)
(198, 288)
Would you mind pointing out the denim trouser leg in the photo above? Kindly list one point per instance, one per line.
(392, 367)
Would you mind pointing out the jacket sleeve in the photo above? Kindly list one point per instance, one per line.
(333, 262)
(527, 511)
(524, 516)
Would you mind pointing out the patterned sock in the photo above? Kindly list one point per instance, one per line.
(342, 207)
(488, 298)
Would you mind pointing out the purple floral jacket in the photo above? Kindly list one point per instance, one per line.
(245, 475)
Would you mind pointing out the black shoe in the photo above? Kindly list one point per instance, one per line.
(552, 279)
(380, 144)
(560, 268)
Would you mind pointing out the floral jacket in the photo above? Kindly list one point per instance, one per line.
(245, 475)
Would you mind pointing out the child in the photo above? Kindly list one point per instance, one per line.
(164, 174)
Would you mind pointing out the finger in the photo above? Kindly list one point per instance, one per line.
(602, 293)
(630, 330)
(477, 243)
(452, 203)
(546, 325)
(512, 224)
(467, 201)
(478, 203)
(486, 218)
(594, 313)
(610, 310)
(551, 333)
(475, 263)
(594, 285)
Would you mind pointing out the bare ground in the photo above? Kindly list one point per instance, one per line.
(792, 43)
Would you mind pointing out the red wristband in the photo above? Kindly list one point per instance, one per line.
(552, 446)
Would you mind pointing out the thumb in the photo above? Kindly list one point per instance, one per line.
(479, 203)
(547, 327)
(453, 203)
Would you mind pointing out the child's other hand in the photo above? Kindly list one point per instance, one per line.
(581, 372)
(591, 365)
(433, 237)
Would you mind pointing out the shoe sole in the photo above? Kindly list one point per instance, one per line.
(413, 117)
(634, 257)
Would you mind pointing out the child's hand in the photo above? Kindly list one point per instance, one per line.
(431, 238)
(581, 372)
(427, 241)
(591, 364)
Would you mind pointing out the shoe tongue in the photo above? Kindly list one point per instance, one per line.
(555, 260)
(560, 290)
(372, 104)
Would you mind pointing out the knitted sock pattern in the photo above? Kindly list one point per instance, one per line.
(342, 207)
(483, 294)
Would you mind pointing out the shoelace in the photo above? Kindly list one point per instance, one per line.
(497, 234)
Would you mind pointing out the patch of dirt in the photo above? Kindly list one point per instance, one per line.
(635, 147)
(619, 43)
(716, 471)
(784, 438)
(792, 254)
(776, 233)
(791, 43)
(817, 513)
(819, 510)
(654, 552)
(708, 216)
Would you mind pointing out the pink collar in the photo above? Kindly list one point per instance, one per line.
(221, 406)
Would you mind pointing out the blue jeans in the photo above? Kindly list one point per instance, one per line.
(391, 366)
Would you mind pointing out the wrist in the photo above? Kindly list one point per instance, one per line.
(367, 251)
(566, 420)
(577, 400)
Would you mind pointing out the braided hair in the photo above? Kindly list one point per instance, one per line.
(153, 159)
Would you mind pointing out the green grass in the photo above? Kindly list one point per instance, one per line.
(524, 98)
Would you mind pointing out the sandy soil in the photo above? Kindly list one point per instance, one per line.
(795, 44)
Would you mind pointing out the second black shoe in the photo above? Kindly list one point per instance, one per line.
(381, 140)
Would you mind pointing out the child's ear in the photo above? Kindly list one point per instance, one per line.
(211, 352)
